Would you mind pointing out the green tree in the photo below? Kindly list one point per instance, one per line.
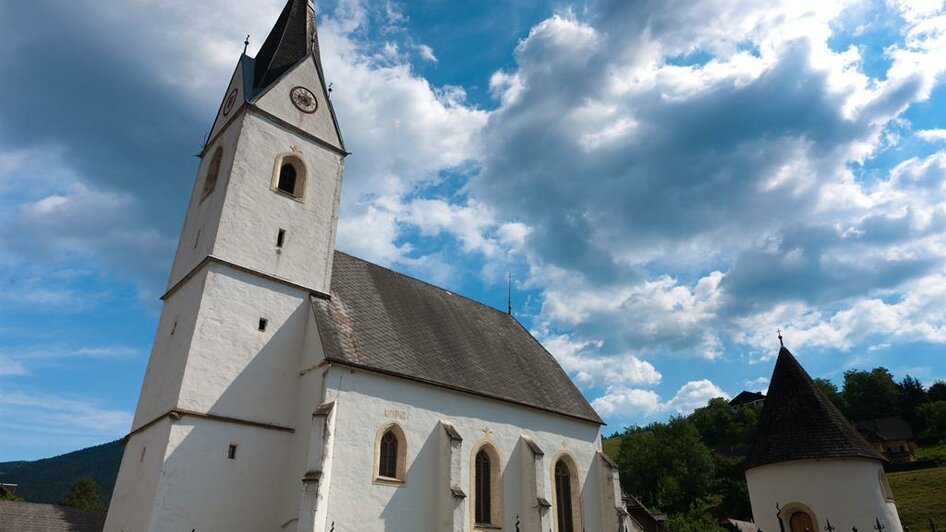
(937, 392)
(933, 417)
(696, 519)
(666, 464)
(84, 494)
(831, 391)
(870, 394)
(716, 423)
(723, 427)
(912, 395)
(9, 497)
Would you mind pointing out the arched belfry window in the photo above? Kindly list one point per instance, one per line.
(213, 172)
(391, 455)
(289, 176)
(567, 489)
(487, 488)
(563, 497)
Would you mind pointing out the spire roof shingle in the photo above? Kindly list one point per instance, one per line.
(288, 43)
(799, 422)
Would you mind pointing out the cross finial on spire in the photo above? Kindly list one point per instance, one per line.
(246, 43)
(780, 342)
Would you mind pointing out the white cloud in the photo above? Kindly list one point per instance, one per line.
(636, 405)
(27, 416)
(9, 366)
(579, 359)
(427, 53)
(932, 135)
(695, 394)
(628, 403)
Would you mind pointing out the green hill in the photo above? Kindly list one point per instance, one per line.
(48, 480)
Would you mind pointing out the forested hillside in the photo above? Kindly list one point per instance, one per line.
(48, 480)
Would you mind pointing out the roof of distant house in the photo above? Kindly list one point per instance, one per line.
(799, 422)
(33, 517)
(746, 397)
(890, 428)
(384, 321)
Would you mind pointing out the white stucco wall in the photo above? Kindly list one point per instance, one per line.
(236, 83)
(169, 352)
(276, 102)
(235, 370)
(365, 402)
(203, 214)
(253, 213)
(142, 467)
(846, 491)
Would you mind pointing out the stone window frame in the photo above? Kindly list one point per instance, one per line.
(578, 518)
(495, 488)
(401, 478)
(885, 486)
(293, 158)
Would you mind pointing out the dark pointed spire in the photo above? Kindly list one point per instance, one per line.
(290, 40)
(799, 422)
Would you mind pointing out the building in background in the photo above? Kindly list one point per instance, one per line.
(747, 399)
(809, 466)
(891, 436)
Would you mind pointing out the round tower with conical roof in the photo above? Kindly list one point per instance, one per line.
(809, 467)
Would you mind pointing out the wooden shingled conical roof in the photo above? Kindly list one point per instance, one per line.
(799, 422)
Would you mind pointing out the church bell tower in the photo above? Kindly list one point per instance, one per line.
(214, 435)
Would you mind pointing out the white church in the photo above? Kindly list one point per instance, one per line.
(292, 387)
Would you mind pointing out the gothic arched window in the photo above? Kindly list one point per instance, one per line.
(390, 455)
(387, 456)
(213, 171)
(483, 491)
(487, 488)
(563, 497)
(289, 175)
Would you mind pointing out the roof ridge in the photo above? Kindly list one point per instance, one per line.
(412, 278)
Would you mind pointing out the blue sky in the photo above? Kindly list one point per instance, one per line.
(668, 182)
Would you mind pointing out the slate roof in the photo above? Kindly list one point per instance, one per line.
(882, 429)
(385, 321)
(798, 422)
(32, 517)
(287, 44)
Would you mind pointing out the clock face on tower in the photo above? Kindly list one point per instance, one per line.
(303, 99)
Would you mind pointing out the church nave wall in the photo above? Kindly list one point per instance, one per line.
(366, 401)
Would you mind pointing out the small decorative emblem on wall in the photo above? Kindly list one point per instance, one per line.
(303, 99)
(395, 413)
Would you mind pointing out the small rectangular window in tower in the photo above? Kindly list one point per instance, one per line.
(263, 322)
(231, 451)
(280, 238)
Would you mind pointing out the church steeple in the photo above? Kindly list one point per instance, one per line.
(291, 39)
